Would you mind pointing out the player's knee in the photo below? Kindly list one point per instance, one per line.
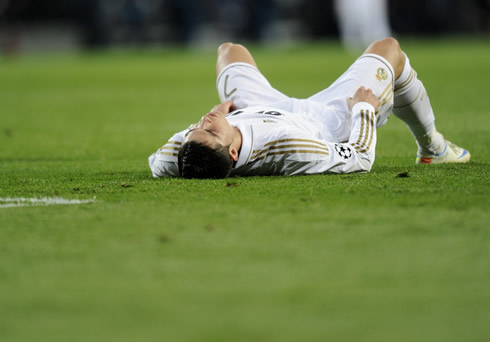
(387, 45)
(224, 46)
(390, 49)
(391, 43)
(395, 55)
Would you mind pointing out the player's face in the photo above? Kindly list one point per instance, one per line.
(212, 129)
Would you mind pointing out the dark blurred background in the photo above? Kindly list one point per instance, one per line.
(33, 25)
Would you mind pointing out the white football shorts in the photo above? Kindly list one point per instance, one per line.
(246, 86)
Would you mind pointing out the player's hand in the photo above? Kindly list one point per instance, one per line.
(364, 95)
(224, 108)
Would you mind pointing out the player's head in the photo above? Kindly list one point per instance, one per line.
(197, 160)
(207, 151)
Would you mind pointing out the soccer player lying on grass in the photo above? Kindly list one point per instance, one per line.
(257, 130)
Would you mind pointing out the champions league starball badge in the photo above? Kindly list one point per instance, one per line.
(343, 151)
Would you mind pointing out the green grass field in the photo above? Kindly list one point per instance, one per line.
(361, 257)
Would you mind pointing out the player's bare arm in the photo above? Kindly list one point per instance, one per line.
(229, 53)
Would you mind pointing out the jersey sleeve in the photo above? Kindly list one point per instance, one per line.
(164, 162)
(245, 85)
(358, 154)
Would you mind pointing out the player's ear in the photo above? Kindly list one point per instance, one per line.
(233, 153)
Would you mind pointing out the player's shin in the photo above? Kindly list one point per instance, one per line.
(412, 105)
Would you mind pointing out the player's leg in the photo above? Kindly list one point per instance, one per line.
(371, 71)
(229, 53)
(412, 105)
(240, 81)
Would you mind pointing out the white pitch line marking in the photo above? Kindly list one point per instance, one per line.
(9, 202)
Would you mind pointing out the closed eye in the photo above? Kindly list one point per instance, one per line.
(211, 133)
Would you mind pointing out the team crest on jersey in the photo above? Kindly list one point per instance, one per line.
(381, 74)
(343, 151)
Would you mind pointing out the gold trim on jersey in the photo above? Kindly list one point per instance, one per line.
(270, 148)
(369, 129)
(290, 152)
(370, 138)
(258, 153)
(362, 129)
(169, 148)
(366, 132)
(173, 148)
(298, 140)
(169, 154)
(170, 142)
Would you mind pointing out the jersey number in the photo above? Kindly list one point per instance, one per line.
(269, 112)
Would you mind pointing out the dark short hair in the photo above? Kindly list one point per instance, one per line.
(197, 160)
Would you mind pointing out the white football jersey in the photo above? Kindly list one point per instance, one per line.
(276, 142)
